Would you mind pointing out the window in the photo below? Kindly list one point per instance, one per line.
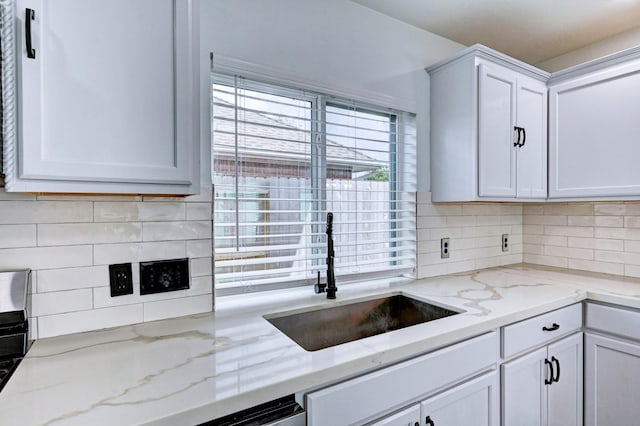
(282, 159)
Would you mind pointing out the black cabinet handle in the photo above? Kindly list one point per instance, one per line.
(557, 378)
(429, 422)
(30, 15)
(524, 137)
(517, 142)
(416, 424)
(550, 379)
(553, 327)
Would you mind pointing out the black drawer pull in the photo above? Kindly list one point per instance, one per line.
(30, 15)
(429, 422)
(553, 327)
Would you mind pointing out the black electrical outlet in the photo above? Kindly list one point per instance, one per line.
(120, 279)
(164, 275)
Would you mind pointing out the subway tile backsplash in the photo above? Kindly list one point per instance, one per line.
(474, 231)
(69, 241)
(595, 236)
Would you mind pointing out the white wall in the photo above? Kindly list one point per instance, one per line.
(335, 43)
(605, 47)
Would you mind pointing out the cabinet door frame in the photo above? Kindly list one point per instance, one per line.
(592, 342)
(487, 381)
(177, 169)
(409, 416)
(534, 151)
(576, 364)
(485, 139)
(556, 90)
(534, 357)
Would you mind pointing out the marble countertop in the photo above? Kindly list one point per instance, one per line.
(192, 369)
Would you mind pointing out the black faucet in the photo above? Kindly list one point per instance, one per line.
(330, 287)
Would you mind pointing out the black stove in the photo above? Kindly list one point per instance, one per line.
(14, 327)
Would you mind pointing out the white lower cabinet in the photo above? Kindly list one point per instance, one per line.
(612, 373)
(407, 417)
(612, 366)
(472, 403)
(461, 375)
(544, 387)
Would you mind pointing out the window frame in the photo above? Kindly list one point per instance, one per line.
(319, 103)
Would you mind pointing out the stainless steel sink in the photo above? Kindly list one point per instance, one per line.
(326, 327)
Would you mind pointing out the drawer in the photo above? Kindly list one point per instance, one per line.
(539, 330)
(388, 389)
(621, 321)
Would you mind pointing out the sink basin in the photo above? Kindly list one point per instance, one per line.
(326, 327)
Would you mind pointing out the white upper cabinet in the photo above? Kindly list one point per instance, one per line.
(594, 131)
(488, 128)
(108, 103)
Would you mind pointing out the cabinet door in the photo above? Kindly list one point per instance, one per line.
(406, 417)
(565, 395)
(532, 155)
(496, 119)
(472, 403)
(524, 393)
(109, 99)
(593, 134)
(612, 381)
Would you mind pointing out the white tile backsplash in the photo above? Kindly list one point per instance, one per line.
(173, 308)
(88, 233)
(69, 241)
(13, 236)
(23, 212)
(162, 231)
(138, 211)
(598, 236)
(95, 319)
(475, 232)
(61, 301)
(46, 257)
(138, 252)
(50, 280)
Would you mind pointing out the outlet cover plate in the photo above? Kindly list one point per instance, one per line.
(120, 279)
(505, 242)
(164, 275)
(444, 248)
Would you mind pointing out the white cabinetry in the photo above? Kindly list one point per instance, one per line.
(407, 417)
(109, 103)
(472, 403)
(544, 386)
(612, 366)
(488, 128)
(373, 395)
(594, 131)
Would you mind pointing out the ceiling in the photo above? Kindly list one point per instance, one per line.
(530, 30)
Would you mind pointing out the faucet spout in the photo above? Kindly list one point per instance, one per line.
(331, 278)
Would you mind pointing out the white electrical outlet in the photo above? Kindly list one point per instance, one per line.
(505, 242)
(444, 248)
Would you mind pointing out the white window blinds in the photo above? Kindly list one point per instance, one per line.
(282, 159)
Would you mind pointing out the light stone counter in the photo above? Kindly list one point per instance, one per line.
(192, 369)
